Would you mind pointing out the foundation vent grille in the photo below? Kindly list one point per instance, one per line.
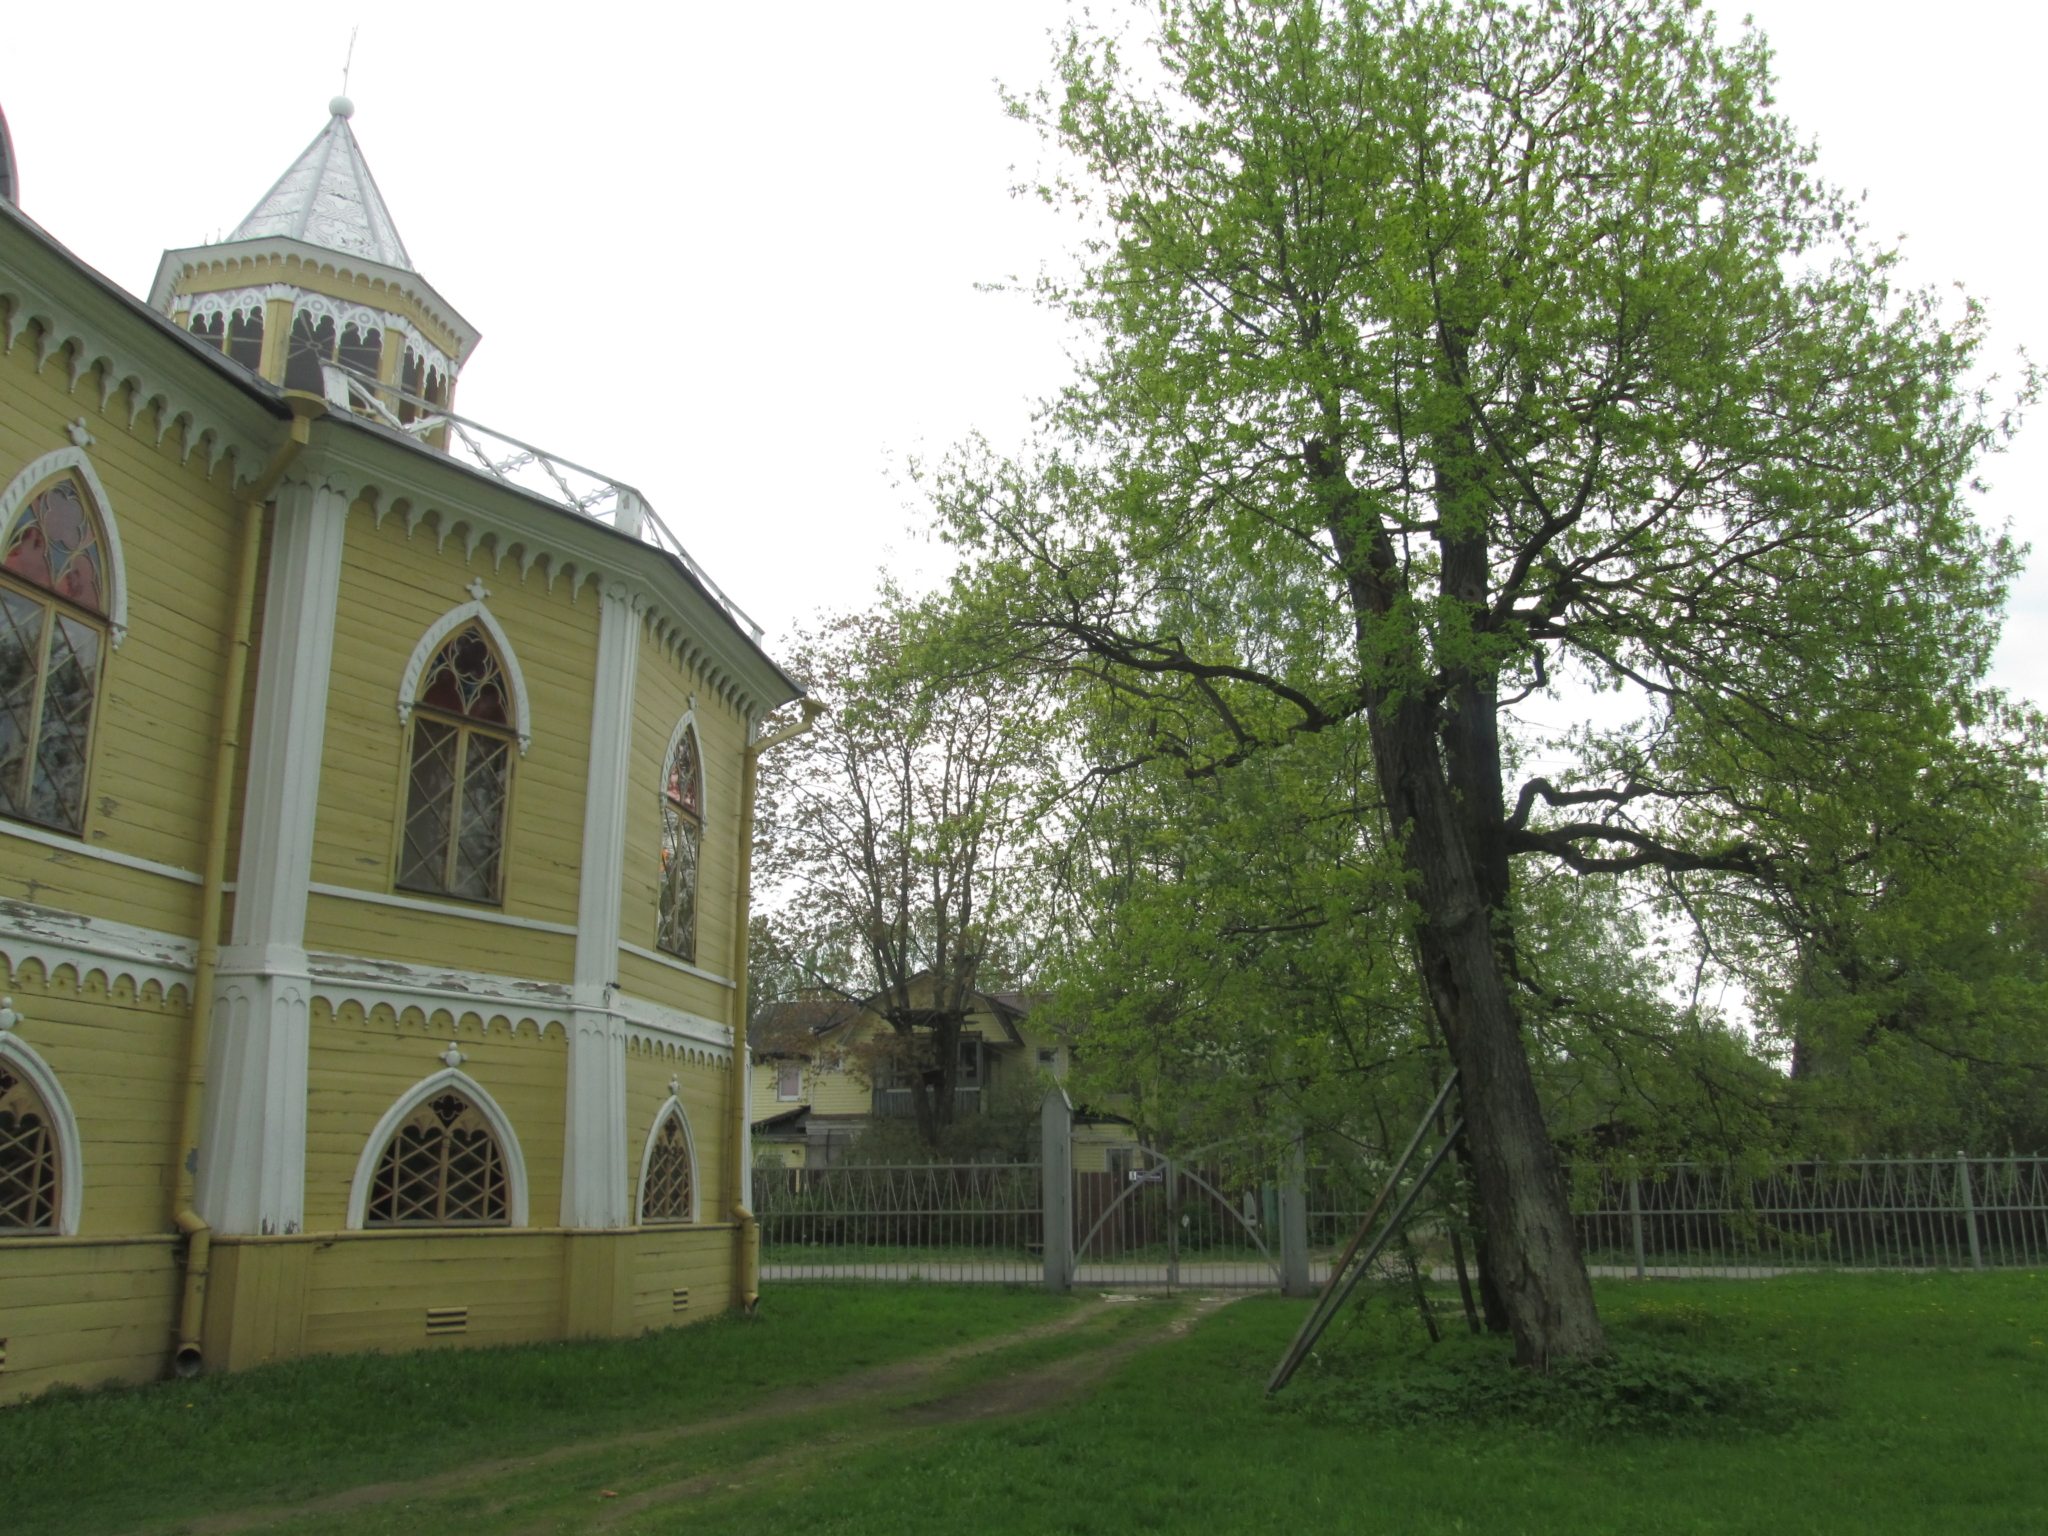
(681, 1298)
(447, 1320)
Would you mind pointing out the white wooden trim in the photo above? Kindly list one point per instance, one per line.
(662, 957)
(671, 1106)
(430, 642)
(33, 474)
(442, 909)
(290, 713)
(86, 850)
(93, 946)
(418, 1094)
(599, 893)
(70, 1160)
(367, 981)
(668, 1023)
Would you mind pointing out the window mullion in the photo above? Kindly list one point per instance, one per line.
(33, 754)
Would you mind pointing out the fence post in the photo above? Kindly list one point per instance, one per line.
(1056, 1187)
(1969, 1208)
(1172, 1224)
(1294, 1279)
(1635, 1218)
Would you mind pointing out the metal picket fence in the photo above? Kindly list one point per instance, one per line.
(961, 1221)
(1866, 1213)
(987, 1222)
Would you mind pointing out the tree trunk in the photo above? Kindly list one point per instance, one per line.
(1532, 1253)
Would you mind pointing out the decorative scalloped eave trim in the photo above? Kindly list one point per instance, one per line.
(156, 967)
(670, 1106)
(434, 1016)
(17, 492)
(430, 642)
(411, 1099)
(647, 1040)
(58, 334)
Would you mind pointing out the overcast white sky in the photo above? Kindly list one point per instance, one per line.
(729, 254)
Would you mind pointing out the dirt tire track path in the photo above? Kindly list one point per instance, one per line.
(1019, 1393)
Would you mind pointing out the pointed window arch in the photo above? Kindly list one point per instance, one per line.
(668, 1169)
(61, 605)
(682, 840)
(443, 1156)
(466, 717)
(39, 1159)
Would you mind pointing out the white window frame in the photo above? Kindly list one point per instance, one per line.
(426, 1088)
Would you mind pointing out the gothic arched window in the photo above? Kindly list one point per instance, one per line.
(443, 1167)
(459, 787)
(54, 593)
(668, 1189)
(682, 838)
(31, 1161)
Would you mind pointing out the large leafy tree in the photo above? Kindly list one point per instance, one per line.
(1450, 354)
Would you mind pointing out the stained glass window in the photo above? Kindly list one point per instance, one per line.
(28, 1157)
(53, 604)
(669, 1192)
(442, 1168)
(461, 780)
(682, 836)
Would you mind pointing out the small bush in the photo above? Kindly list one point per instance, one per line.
(1636, 1389)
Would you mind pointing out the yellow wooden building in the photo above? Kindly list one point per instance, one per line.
(374, 814)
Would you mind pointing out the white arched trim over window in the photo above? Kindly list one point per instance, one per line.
(19, 1057)
(446, 1080)
(667, 1139)
(32, 479)
(430, 643)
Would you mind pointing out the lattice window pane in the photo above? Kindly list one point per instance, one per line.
(670, 1190)
(57, 794)
(460, 791)
(21, 665)
(429, 806)
(28, 1158)
(443, 1167)
(678, 918)
(486, 781)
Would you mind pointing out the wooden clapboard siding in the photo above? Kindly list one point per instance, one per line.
(357, 1069)
(394, 586)
(701, 1090)
(667, 1258)
(372, 1291)
(119, 1059)
(80, 1313)
(662, 693)
(157, 712)
(339, 925)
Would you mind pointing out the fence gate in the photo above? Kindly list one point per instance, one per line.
(1150, 1220)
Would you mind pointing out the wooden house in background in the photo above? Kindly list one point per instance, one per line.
(371, 835)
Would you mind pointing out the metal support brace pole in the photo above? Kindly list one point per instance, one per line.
(1635, 1218)
(1294, 1275)
(1969, 1208)
(1056, 1178)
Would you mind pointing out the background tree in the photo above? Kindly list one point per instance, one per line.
(1451, 354)
(890, 837)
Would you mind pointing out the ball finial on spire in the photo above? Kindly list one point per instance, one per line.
(342, 107)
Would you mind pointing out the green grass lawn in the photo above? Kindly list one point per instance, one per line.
(1921, 1405)
(106, 1461)
(1880, 1404)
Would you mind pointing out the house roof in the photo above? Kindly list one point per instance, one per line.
(791, 1028)
(788, 1120)
(329, 198)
